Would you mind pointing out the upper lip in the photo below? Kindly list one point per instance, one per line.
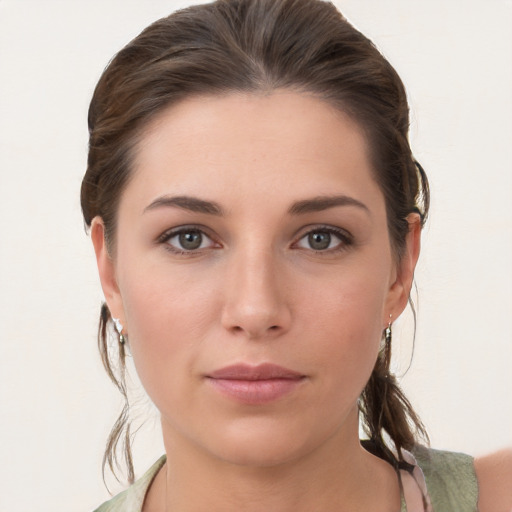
(265, 371)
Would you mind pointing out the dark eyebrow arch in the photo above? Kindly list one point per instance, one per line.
(190, 203)
(320, 203)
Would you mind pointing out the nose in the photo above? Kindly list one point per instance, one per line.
(255, 304)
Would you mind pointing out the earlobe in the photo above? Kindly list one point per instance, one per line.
(401, 287)
(106, 269)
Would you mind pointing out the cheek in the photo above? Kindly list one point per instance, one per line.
(173, 324)
(168, 320)
(344, 325)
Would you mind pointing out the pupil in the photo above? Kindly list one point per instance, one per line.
(319, 240)
(190, 240)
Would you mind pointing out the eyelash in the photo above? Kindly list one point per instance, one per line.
(345, 239)
(171, 233)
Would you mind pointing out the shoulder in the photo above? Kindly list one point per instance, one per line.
(450, 479)
(494, 474)
(457, 480)
(132, 499)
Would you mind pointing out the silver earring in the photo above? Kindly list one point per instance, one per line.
(119, 329)
(388, 333)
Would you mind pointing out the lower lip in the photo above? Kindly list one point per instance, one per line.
(255, 392)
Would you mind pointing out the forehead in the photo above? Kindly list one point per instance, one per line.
(284, 144)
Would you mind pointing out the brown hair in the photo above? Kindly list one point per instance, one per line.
(258, 46)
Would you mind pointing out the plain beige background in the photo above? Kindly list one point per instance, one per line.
(57, 405)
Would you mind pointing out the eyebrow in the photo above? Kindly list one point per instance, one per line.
(320, 203)
(192, 204)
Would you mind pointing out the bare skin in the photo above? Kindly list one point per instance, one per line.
(284, 488)
(494, 474)
(258, 183)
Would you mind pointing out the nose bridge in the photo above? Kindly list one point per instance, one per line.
(255, 303)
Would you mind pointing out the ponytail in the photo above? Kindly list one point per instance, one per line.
(385, 409)
(120, 433)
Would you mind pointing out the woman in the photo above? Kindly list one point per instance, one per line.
(256, 211)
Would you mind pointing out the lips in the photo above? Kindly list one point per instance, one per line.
(255, 385)
(265, 371)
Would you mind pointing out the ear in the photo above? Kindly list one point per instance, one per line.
(106, 270)
(400, 289)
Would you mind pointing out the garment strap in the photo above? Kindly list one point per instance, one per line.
(413, 487)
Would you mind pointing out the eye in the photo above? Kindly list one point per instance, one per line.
(186, 240)
(324, 239)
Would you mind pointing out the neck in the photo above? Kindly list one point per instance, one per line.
(338, 475)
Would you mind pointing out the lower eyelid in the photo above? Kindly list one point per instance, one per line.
(210, 241)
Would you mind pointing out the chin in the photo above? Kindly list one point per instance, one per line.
(266, 442)
(262, 453)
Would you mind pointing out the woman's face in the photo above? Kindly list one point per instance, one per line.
(252, 233)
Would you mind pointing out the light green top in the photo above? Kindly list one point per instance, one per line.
(450, 479)
(131, 499)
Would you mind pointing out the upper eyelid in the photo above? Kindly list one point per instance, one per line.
(306, 230)
(346, 240)
(171, 232)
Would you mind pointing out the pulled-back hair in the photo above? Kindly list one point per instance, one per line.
(257, 46)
